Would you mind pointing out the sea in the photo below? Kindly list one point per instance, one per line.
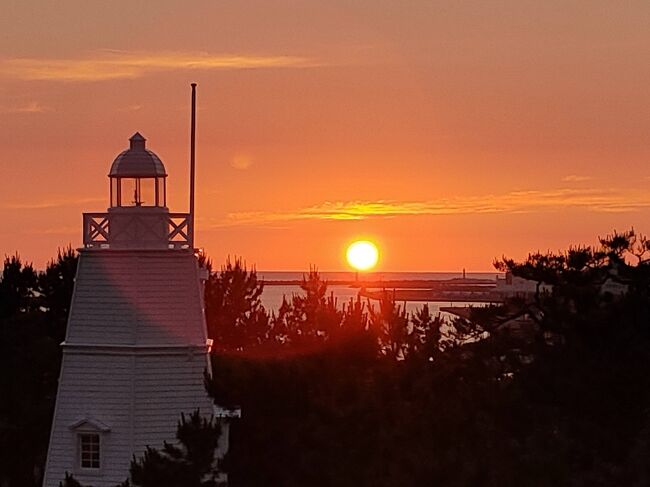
(273, 294)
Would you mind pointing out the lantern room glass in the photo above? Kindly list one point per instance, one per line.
(136, 192)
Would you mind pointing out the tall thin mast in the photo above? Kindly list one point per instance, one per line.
(192, 165)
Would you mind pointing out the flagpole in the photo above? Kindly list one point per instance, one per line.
(192, 164)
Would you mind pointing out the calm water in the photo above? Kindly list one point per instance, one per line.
(272, 296)
(386, 276)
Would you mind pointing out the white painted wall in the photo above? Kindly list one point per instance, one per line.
(133, 358)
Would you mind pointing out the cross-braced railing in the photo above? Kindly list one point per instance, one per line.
(180, 230)
(97, 230)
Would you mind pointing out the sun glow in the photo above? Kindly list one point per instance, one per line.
(362, 255)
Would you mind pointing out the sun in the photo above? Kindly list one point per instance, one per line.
(362, 255)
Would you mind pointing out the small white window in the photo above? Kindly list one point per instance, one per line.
(89, 450)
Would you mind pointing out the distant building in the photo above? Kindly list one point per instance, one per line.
(613, 288)
(136, 347)
(614, 284)
(511, 286)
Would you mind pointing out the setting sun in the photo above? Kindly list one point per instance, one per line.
(362, 255)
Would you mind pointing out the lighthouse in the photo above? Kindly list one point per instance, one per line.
(136, 347)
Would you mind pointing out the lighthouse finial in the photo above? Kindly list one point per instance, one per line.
(137, 141)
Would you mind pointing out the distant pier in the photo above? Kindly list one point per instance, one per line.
(466, 290)
(433, 295)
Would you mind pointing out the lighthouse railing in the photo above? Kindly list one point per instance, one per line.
(97, 230)
(180, 234)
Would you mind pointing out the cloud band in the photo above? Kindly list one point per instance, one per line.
(110, 65)
(611, 200)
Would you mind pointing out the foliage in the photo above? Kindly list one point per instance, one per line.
(310, 319)
(541, 392)
(18, 285)
(391, 325)
(191, 463)
(234, 313)
(56, 285)
(69, 481)
(33, 313)
(313, 314)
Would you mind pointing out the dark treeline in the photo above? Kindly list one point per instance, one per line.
(551, 389)
(33, 315)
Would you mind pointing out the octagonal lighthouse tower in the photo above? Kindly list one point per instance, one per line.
(136, 347)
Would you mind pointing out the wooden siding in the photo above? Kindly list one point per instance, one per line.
(137, 298)
(133, 359)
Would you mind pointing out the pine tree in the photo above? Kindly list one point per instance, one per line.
(191, 463)
(314, 314)
(424, 338)
(29, 365)
(56, 285)
(391, 325)
(235, 316)
(69, 481)
(18, 284)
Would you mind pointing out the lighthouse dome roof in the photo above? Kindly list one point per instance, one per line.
(137, 161)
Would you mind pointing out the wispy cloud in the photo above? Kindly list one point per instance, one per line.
(597, 200)
(576, 178)
(130, 108)
(241, 162)
(50, 203)
(30, 107)
(109, 65)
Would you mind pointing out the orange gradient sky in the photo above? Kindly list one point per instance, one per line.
(450, 133)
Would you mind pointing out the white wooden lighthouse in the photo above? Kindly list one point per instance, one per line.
(136, 347)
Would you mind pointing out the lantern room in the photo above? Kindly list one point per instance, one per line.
(138, 177)
(138, 217)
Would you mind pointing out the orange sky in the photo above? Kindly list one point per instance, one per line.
(449, 132)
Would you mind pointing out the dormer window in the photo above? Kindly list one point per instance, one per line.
(90, 436)
(89, 450)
